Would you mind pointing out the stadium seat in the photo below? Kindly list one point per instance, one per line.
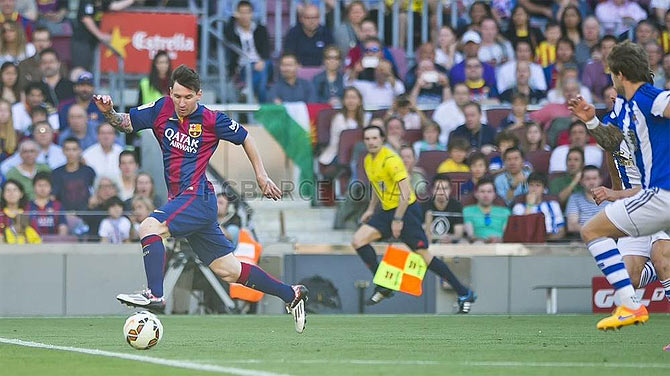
(413, 135)
(458, 179)
(323, 121)
(496, 116)
(400, 61)
(348, 139)
(308, 73)
(525, 229)
(430, 160)
(539, 159)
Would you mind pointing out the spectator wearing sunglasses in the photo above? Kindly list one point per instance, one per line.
(484, 221)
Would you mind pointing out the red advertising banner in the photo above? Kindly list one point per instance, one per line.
(138, 36)
(652, 296)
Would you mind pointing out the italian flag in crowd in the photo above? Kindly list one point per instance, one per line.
(293, 126)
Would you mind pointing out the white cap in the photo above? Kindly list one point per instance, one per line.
(471, 36)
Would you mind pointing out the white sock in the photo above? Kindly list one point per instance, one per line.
(648, 274)
(609, 260)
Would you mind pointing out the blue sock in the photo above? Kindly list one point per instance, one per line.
(438, 267)
(666, 286)
(154, 263)
(369, 257)
(609, 260)
(256, 278)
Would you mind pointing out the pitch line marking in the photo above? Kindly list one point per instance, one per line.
(145, 359)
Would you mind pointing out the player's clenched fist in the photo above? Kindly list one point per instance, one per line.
(104, 102)
(602, 194)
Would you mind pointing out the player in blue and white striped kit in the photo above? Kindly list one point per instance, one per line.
(645, 128)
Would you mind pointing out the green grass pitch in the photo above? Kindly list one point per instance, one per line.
(347, 345)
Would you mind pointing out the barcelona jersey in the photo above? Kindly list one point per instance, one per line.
(187, 144)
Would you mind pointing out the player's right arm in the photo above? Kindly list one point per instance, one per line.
(120, 121)
(609, 137)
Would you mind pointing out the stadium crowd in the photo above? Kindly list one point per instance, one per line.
(520, 60)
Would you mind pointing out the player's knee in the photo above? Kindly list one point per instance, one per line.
(227, 270)
(150, 226)
(357, 241)
(588, 233)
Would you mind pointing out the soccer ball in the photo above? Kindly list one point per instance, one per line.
(143, 330)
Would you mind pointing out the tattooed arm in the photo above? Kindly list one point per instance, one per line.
(120, 121)
(609, 137)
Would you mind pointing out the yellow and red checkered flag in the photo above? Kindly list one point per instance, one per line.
(401, 270)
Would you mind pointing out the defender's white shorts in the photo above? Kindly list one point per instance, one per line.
(641, 246)
(646, 213)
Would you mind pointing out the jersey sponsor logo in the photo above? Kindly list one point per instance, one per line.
(195, 130)
(181, 141)
(234, 126)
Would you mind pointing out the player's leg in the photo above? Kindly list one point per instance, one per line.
(365, 235)
(635, 266)
(636, 253)
(660, 257)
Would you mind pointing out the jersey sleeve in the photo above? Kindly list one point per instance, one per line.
(659, 104)
(144, 116)
(396, 169)
(229, 130)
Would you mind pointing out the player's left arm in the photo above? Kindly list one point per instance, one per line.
(120, 121)
(267, 186)
(609, 137)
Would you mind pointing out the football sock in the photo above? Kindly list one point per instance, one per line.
(438, 267)
(369, 257)
(666, 286)
(648, 274)
(609, 260)
(154, 263)
(256, 278)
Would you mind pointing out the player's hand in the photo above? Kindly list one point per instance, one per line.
(396, 228)
(268, 187)
(366, 216)
(602, 194)
(104, 103)
(581, 109)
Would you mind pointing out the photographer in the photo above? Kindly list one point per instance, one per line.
(374, 77)
(432, 86)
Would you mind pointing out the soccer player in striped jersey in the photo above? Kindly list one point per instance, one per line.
(188, 134)
(645, 121)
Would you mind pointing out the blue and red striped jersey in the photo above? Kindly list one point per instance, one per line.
(47, 221)
(188, 144)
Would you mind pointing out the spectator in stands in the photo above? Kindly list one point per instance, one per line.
(9, 85)
(29, 69)
(551, 111)
(504, 140)
(471, 42)
(579, 137)
(116, 227)
(58, 87)
(458, 152)
(430, 132)
(152, 88)
(46, 224)
(536, 202)
(103, 156)
(519, 115)
(25, 171)
(7, 133)
(329, 84)
(449, 114)
(385, 86)
(565, 55)
(254, 40)
(480, 136)
(494, 50)
(591, 37)
(105, 189)
(595, 75)
(479, 168)
(141, 208)
(477, 12)
(14, 46)
(73, 183)
(446, 53)
(534, 139)
(507, 72)
(23, 14)
(87, 33)
(83, 96)
(228, 220)
(126, 180)
(545, 52)
(417, 176)
(144, 187)
(425, 53)
(565, 185)
(50, 154)
(474, 79)
(570, 72)
(513, 182)
(571, 23)
(432, 86)
(581, 205)
(52, 15)
(21, 111)
(659, 8)
(373, 53)
(665, 34)
(522, 86)
(616, 15)
(308, 39)
(405, 109)
(485, 222)
(351, 116)
(348, 34)
(520, 29)
(368, 30)
(655, 53)
(666, 69)
(444, 215)
(79, 128)
(14, 225)
(290, 88)
(395, 133)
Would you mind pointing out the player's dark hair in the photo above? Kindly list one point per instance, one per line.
(154, 79)
(369, 127)
(113, 201)
(186, 77)
(245, 3)
(49, 50)
(128, 153)
(590, 168)
(539, 177)
(42, 176)
(34, 86)
(483, 181)
(443, 176)
(73, 140)
(630, 60)
(478, 156)
(576, 149)
(512, 150)
(22, 201)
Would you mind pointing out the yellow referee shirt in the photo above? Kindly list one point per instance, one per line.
(385, 170)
